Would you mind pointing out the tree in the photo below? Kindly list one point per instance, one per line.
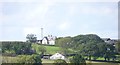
(64, 44)
(90, 45)
(94, 50)
(31, 38)
(109, 52)
(117, 45)
(41, 49)
(22, 48)
(85, 39)
(16, 47)
(60, 62)
(78, 60)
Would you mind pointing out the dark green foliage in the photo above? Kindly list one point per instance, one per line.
(110, 52)
(64, 44)
(75, 42)
(60, 62)
(77, 60)
(41, 49)
(117, 45)
(31, 38)
(16, 47)
(89, 45)
(86, 39)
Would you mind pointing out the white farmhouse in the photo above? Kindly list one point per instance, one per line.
(57, 56)
(45, 40)
(49, 40)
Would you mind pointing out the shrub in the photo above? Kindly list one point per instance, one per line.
(60, 62)
(77, 60)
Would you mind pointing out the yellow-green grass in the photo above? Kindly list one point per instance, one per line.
(49, 49)
(7, 59)
(100, 58)
(100, 63)
(52, 49)
(47, 61)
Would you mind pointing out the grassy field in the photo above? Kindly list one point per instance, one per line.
(101, 63)
(6, 59)
(52, 49)
(49, 49)
(47, 61)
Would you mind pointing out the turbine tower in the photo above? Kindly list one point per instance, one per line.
(41, 33)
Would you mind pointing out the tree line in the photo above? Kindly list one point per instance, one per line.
(16, 48)
(89, 45)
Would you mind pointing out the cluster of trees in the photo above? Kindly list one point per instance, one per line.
(31, 38)
(16, 47)
(39, 49)
(89, 45)
(64, 44)
(78, 60)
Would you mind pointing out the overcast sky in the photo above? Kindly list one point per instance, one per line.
(58, 18)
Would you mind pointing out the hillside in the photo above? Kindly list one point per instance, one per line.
(49, 49)
(76, 41)
(91, 46)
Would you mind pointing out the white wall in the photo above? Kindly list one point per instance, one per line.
(44, 41)
(57, 56)
(52, 42)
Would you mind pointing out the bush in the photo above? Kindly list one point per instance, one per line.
(60, 62)
(77, 60)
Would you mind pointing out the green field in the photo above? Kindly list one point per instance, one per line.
(49, 49)
(6, 59)
(100, 63)
(52, 49)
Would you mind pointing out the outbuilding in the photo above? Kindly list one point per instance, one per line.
(57, 56)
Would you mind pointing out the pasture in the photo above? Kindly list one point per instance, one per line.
(50, 49)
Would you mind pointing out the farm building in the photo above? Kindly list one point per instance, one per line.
(48, 40)
(57, 56)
